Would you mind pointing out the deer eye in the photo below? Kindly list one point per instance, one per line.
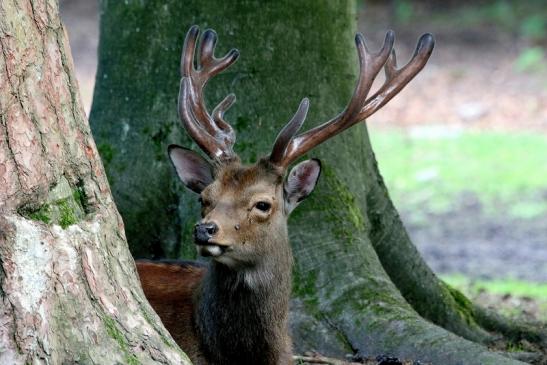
(263, 206)
(203, 202)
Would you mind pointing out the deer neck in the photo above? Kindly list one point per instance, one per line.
(242, 315)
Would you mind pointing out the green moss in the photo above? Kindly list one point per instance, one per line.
(80, 197)
(345, 198)
(64, 206)
(465, 307)
(77, 195)
(67, 214)
(41, 214)
(158, 140)
(114, 332)
(164, 339)
(304, 286)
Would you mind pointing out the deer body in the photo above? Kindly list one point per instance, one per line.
(235, 310)
(216, 317)
(242, 322)
(240, 301)
(242, 304)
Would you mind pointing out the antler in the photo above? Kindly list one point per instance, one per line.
(212, 133)
(288, 148)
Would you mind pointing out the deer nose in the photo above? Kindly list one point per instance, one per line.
(203, 232)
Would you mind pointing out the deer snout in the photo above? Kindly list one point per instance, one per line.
(204, 231)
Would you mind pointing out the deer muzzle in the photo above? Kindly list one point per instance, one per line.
(204, 234)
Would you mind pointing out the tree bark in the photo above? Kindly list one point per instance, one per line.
(68, 286)
(360, 285)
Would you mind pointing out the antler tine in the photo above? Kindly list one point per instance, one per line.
(212, 133)
(360, 107)
(287, 133)
(187, 59)
(369, 67)
(220, 109)
(397, 79)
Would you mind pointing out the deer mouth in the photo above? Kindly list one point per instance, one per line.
(211, 249)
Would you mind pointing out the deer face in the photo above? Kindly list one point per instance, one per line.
(244, 208)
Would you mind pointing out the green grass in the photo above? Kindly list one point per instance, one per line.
(501, 287)
(526, 300)
(510, 169)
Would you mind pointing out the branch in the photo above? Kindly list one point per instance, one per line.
(318, 359)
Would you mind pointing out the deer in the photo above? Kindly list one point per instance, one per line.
(234, 309)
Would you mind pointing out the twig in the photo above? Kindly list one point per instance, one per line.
(318, 359)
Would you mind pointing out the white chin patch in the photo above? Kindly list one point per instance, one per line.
(226, 260)
(210, 250)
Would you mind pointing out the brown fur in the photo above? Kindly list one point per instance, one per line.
(169, 287)
(236, 311)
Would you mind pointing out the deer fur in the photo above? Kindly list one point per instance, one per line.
(240, 306)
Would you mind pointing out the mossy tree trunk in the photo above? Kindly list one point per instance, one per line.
(68, 287)
(360, 285)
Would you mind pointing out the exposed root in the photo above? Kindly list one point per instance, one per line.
(512, 329)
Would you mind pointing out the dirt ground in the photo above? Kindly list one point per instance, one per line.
(471, 82)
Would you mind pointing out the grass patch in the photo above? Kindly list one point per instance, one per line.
(513, 298)
(497, 168)
(502, 287)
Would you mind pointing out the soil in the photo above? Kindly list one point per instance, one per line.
(471, 80)
(478, 245)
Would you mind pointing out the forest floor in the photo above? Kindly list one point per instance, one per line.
(463, 149)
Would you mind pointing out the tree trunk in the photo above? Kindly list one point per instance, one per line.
(68, 286)
(360, 285)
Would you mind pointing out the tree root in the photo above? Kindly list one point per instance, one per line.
(513, 330)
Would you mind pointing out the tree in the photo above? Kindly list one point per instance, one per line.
(360, 286)
(68, 286)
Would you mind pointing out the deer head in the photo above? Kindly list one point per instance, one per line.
(245, 207)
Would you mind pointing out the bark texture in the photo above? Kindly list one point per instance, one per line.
(360, 285)
(68, 286)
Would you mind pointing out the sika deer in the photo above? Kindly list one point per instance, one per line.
(235, 310)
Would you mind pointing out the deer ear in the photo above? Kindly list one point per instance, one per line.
(193, 170)
(301, 182)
